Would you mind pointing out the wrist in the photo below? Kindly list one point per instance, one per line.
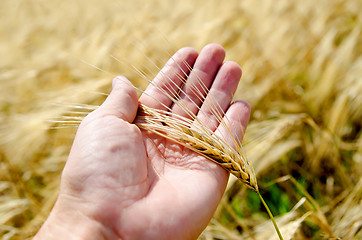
(65, 222)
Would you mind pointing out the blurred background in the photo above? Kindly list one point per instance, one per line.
(302, 75)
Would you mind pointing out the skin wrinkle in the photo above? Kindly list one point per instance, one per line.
(152, 153)
(154, 224)
(180, 161)
(151, 222)
(205, 68)
(171, 69)
(192, 97)
(214, 57)
(234, 119)
(208, 117)
(222, 89)
(105, 231)
(122, 190)
(129, 95)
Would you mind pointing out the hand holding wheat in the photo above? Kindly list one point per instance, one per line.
(123, 182)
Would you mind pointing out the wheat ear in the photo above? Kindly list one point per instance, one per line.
(199, 139)
(194, 136)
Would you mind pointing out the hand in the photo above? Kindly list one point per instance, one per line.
(123, 182)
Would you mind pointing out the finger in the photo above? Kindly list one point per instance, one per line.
(199, 81)
(220, 95)
(122, 102)
(234, 123)
(169, 80)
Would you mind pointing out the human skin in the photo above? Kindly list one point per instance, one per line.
(120, 182)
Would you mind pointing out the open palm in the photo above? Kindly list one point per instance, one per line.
(138, 185)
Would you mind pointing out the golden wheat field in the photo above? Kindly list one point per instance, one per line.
(302, 75)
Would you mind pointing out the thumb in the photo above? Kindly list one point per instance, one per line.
(122, 102)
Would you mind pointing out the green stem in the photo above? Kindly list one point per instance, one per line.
(271, 216)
